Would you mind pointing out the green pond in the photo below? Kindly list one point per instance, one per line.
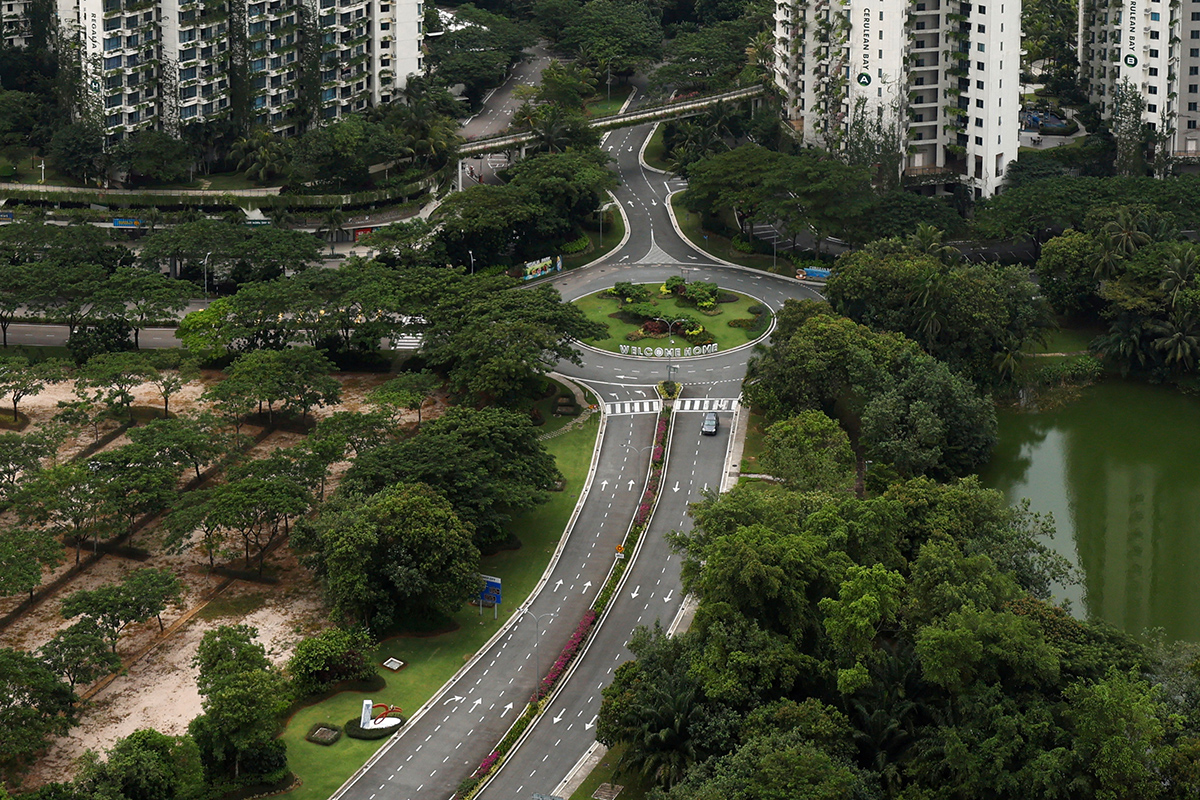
(1119, 469)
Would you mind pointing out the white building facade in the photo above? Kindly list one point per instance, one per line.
(170, 63)
(1155, 45)
(944, 75)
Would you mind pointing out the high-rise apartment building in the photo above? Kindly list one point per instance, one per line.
(1155, 45)
(942, 75)
(169, 63)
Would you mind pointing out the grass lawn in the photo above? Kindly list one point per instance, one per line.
(612, 237)
(721, 247)
(756, 429)
(432, 660)
(635, 788)
(232, 180)
(29, 169)
(1067, 340)
(655, 154)
(604, 105)
(598, 308)
(547, 405)
(37, 352)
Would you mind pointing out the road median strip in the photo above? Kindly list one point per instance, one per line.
(562, 668)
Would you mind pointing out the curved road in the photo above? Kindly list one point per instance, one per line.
(440, 748)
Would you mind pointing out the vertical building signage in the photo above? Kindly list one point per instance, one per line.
(91, 32)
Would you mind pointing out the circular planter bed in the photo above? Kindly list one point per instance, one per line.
(728, 324)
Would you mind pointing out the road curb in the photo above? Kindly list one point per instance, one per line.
(502, 631)
(642, 154)
(765, 334)
(578, 659)
(583, 767)
(718, 259)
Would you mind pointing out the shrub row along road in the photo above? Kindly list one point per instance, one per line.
(437, 751)
(651, 592)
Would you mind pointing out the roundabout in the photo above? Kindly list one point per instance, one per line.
(652, 319)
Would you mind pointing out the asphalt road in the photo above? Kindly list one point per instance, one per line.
(434, 753)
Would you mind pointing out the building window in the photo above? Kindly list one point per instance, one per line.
(1153, 90)
(919, 82)
(920, 43)
(979, 141)
(1153, 54)
(978, 103)
(979, 85)
(187, 112)
(918, 118)
(1151, 107)
(1193, 70)
(979, 65)
(982, 28)
(1191, 106)
(978, 122)
(1194, 52)
(1153, 71)
(1191, 124)
(1153, 34)
(1195, 16)
(1154, 15)
(979, 47)
(1194, 35)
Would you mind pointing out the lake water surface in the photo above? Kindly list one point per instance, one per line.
(1119, 469)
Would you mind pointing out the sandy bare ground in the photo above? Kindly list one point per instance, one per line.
(159, 690)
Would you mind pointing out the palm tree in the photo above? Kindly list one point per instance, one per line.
(1108, 260)
(1179, 271)
(928, 240)
(926, 297)
(1122, 344)
(1006, 360)
(1126, 232)
(260, 155)
(333, 222)
(1179, 339)
(760, 55)
(663, 745)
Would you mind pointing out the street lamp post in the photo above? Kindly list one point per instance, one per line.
(471, 253)
(671, 349)
(537, 661)
(209, 253)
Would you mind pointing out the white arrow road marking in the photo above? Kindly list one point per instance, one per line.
(635, 592)
(557, 585)
(588, 727)
(639, 391)
(587, 586)
(507, 709)
(604, 484)
(675, 488)
(624, 257)
(476, 704)
(558, 719)
(631, 484)
(667, 599)
(455, 699)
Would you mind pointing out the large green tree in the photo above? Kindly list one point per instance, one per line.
(402, 552)
(488, 463)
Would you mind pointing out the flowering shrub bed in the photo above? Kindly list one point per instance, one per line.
(470, 786)
(564, 658)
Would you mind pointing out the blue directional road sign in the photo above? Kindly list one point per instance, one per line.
(491, 591)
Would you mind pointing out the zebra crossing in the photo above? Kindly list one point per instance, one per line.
(633, 407)
(707, 404)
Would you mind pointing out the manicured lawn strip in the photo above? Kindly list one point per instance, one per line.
(598, 308)
(756, 426)
(655, 153)
(635, 787)
(547, 405)
(612, 237)
(1067, 340)
(433, 660)
(719, 246)
(606, 106)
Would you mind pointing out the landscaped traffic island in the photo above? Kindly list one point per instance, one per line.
(678, 318)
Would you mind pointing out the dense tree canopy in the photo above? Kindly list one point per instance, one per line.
(400, 553)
